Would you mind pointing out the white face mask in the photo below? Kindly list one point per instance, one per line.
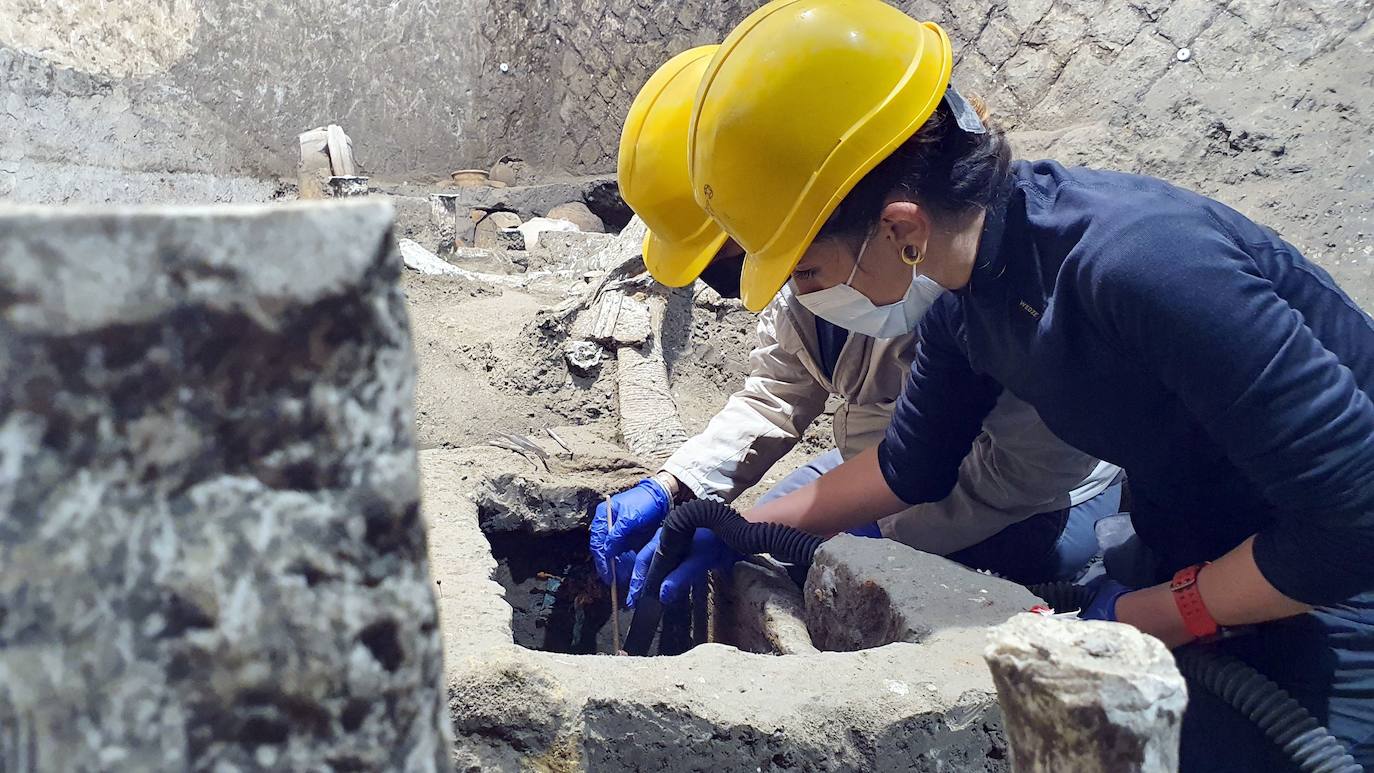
(850, 309)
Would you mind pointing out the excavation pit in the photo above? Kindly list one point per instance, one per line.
(559, 604)
(516, 698)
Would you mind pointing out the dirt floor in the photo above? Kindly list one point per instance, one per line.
(484, 369)
(479, 372)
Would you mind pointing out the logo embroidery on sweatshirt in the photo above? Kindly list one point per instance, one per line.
(1029, 309)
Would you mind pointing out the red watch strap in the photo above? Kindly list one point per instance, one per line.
(1196, 618)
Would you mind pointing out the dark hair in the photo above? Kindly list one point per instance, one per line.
(940, 167)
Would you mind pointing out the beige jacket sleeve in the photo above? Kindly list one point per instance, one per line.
(760, 423)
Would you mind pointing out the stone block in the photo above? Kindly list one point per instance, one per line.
(569, 250)
(764, 610)
(485, 235)
(342, 187)
(492, 231)
(510, 239)
(863, 593)
(1086, 695)
(527, 201)
(578, 214)
(532, 229)
(504, 220)
(413, 219)
(213, 553)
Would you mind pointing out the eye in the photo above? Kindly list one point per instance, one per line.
(803, 274)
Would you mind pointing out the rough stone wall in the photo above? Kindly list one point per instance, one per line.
(1268, 110)
(212, 549)
(574, 67)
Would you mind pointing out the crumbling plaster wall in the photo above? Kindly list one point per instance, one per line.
(175, 100)
(141, 100)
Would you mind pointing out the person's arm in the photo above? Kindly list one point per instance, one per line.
(1016, 468)
(1285, 411)
(1233, 588)
(938, 415)
(758, 425)
(848, 496)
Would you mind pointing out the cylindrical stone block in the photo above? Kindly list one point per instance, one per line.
(1086, 696)
(211, 549)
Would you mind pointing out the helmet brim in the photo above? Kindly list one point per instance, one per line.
(678, 264)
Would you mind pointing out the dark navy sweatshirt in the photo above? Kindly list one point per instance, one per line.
(1164, 332)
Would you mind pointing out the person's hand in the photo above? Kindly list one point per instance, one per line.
(708, 553)
(638, 511)
(1102, 604)
(870, 530)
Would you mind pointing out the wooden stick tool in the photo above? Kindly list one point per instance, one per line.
(615, 586)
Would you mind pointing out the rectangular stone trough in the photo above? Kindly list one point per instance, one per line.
(923, 704)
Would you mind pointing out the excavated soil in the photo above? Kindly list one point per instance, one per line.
(478, 373)
(485, 368)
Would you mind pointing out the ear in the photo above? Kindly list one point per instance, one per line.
(907, 224)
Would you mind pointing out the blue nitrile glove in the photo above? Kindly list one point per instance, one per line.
(870, 530)
(1102, 605)
(708, 553)
(638, 511)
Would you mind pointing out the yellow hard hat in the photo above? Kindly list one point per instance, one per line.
(803, 99)
(652, 170)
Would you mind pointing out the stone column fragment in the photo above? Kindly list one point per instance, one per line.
(1086, 696)
(211, 555)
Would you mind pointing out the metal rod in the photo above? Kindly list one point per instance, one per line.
(615, 592)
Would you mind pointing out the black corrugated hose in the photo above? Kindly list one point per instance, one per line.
(782, 542)
(1284, 721)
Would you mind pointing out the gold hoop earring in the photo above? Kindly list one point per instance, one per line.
(911, 256)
